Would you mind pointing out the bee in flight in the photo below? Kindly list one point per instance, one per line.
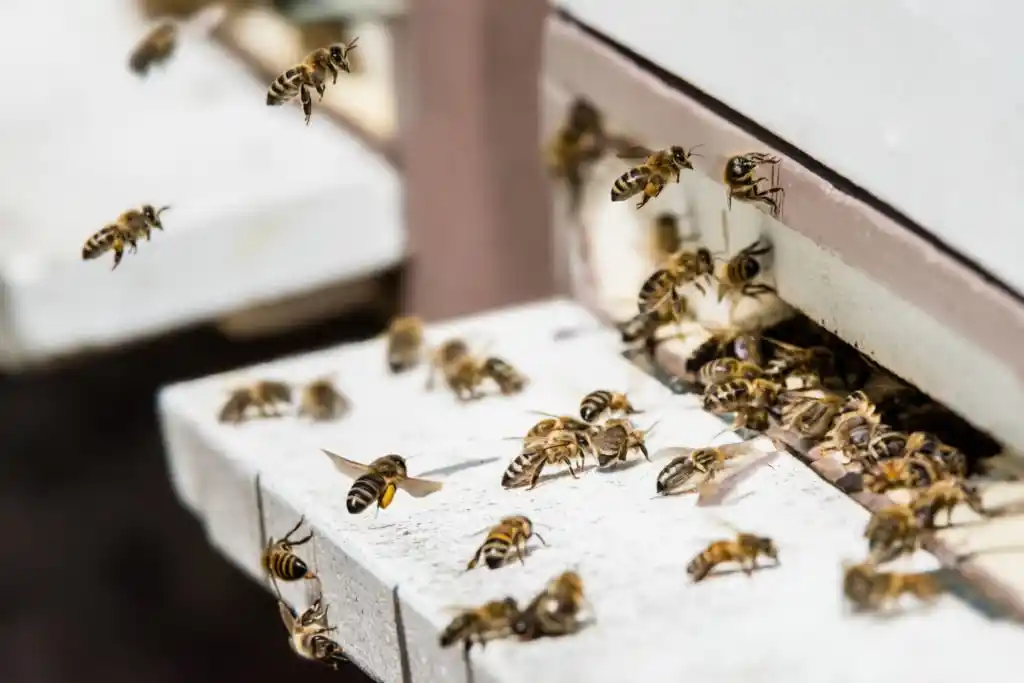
(602, 403)
(124, 232)
(653, 174)
(321, 401)
(744, 550)
(308, 634)
(155, 48)
(490, 621)
(311, 73)
(869, 589)
(265, 397)
(741, 180)
(708, 463)
(749, 399)
(555, 611)
(507, 539)
(576, 145)
(379, 481)
(279, 560)
(405, 343)
(741, 271)
(613, 441)
(659, 294)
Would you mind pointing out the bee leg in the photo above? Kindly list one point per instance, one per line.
(754, 290)
(321, 88)
(535, 477)
(307, 103)
(521, 551)
(476, 559)
(118, 253)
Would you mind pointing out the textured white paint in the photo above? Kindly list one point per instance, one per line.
(263, 206)
(786, 623)
(907, 99)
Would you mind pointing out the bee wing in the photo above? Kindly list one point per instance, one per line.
(288, 615)
(715, 492)
(672, 453)
(625, 148)
(418, 488)
(733, 450)
(350, 468)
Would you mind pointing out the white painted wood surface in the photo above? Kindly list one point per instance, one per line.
(263, 206)
(786, 623)
(912, 100)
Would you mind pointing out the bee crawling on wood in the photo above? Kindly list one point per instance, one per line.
(444, 358)
(742, 182)
(490, 621)
(653, 174)
(749, 399)
(601, 403)
(465, 375)
(311, 73)
(923, 462)
(744, 550)
(708, 463)
(379, 481)
(266, 397)
(507, 539)
(308, 634)
(869, 589)
(613, 441)
(155, 48)
(404, 343)
(893, 531)
(741, 271)
(322, 401)
(123, 233)
(809, 412)
(945, 494)
(558, 447)
(555, 611)
(279, 560)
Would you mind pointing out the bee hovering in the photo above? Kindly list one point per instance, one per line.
(379, 481)
(124, 232)
(154, 49)
(653, 174)
(577, 144)
(741, 271)
(311, 73)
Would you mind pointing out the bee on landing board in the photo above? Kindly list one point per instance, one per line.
(749, 399)
(602, 403)
(613, 441)
(724, 369)
(744, 550)
(506, 540)
(154, 49)
(893, 531)
(555, 611)
(741, 271)
(265, 397)
(945, 495)
(653, 174)
(741, 180)
(558, 447)
(311, 73)
(308, 634)
(405, 343)
(124, 233)
(444, 358)
(871, 590)
(490, 621)
(321, 401)
(555, 423)
(708, 462)
(379, 481)
(465, 376)
(279, 560)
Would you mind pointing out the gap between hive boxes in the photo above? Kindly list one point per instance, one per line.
(630, 549)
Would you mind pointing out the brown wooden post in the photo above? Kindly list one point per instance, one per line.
(476, 199)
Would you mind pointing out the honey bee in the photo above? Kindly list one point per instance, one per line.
(155, 48)
(945, 495)
(124, 232)
(506, 539)
(556, 423)
(379, 481)
(613, 441)
(749, 399)
(949, 459)
(688, 462)
(444, 357)
(602, 403)
(742, 182)
(744, 550)
(809, 412)
(641, 331)
(491, 621)
(509, 380)
(852, 429)
(660, 291)
(555, 611)
(884, 443)
(311, 73)
(666, 238)
(892, 531)
(741, 270)
(308, 634)
(577, 144)
(789, 358)
(559, 447)
(279, 560)
(321, 401)
(265, 397)
(910, 471)
(465, 375)
(405, 343)
(723, 369)
(653, 174)
(869, 589)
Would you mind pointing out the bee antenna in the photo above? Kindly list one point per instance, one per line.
(162, 209)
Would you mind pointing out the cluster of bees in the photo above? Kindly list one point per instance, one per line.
(156, 48)
(319, 400)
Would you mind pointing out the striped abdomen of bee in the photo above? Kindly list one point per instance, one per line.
(722, 369)
(744, 550)
(659, 295)
(638, 179)
(558, 448)
(891, 532)
(509, 380)
(869, 589)
(601, 402)
(297, 81)
(490, 621)
(370, 488)
(280, 561)
(945, 495)
(735, 395)
(109, 237)
(508, 538)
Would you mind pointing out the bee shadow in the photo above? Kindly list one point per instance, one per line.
(458, 467)
(563, 473)
(622, 466)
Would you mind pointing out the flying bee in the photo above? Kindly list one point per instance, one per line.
(444, 357)
(741, 270)
(653, 174)
(602, 403)
(311, 73)
(869, 589)
(508, 538)
(405, 343)
(308, 634)
(749, 399)
(321, 401)
(576, 145)
(555, 610)
(809, 412)
(556, 423)
(709, 462)
(945, 494)
(744, 550)
(155, 48)
(279, 560)
(559, 447)
(723, 369)
(124, 233)
(660, 291)
(490, 621)
(613, 441)
(742, 182)
(265, 397)
(892, 531)
(379, 481)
